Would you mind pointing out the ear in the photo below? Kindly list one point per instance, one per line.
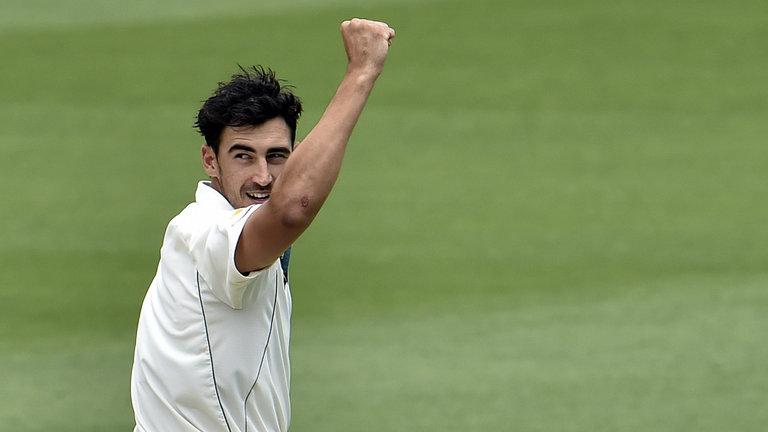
(210, 162)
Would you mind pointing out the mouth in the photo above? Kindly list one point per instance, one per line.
(258, 197)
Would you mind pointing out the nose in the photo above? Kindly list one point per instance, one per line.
(262, 176)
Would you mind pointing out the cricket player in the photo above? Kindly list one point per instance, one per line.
(212, 341)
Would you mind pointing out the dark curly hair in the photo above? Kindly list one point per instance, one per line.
(250, 98)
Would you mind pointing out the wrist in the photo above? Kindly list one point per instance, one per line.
(363, 75)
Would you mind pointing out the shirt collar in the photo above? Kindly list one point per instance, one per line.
(209, 196)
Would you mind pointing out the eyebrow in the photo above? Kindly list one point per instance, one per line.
(278, 150)
(243, 147)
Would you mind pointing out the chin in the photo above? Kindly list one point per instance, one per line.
(250, 202)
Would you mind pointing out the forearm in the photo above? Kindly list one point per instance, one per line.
(313, 168)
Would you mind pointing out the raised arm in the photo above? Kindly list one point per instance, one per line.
(313, 167)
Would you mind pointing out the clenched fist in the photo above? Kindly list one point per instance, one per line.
(367, 43)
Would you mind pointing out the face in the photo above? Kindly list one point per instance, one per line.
(249, 160)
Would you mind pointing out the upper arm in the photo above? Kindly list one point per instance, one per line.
(267, 233)
(211, 241)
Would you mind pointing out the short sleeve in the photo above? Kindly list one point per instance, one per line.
(212, 246)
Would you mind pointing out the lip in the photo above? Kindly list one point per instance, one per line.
(259, 197)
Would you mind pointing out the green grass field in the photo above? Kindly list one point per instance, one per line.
(552, 216)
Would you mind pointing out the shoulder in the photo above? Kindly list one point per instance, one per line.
(187, 219)
(198, 221)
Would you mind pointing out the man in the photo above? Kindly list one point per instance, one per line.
(212, 341)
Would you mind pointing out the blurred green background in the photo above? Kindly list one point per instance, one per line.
(552, 216)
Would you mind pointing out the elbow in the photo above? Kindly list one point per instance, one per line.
(299, 215)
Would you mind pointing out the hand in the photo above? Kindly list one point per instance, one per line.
(367, 43)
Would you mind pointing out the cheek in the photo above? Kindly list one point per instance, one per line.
(229, 178)
(276, 169)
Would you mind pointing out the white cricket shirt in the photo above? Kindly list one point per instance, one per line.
(212, 344)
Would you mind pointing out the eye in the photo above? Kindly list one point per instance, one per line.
(243, 156)
(277, 156)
